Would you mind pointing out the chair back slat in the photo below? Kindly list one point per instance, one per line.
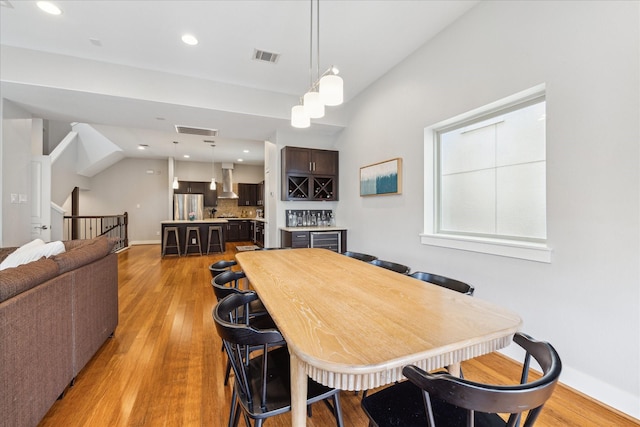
(445, 282)
(393, 266)
(486, 398)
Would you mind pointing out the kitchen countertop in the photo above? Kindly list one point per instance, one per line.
(195, 221)
(244, 219)
(210, 220)
(294, 229)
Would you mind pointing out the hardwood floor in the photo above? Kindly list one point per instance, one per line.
(164, 366)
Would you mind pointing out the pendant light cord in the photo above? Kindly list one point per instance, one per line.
(311, 44)
(312, 85)
(318, 38)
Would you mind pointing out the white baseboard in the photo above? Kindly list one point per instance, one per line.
(596, 389)
(145, 242)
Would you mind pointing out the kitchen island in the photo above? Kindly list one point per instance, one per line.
(234, 229)
(202, 224)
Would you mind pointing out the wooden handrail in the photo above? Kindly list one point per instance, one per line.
(90, 226)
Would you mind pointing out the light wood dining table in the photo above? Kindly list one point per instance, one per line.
(354, 326)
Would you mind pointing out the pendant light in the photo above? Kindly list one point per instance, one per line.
(331, 92)
(175, 184)
(212, 186)
(299, 117)
(327, 89)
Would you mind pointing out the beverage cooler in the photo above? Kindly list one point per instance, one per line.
(326, 239)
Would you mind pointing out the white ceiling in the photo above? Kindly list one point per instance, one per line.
(363, 38)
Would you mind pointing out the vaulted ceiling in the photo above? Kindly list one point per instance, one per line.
(249, 100)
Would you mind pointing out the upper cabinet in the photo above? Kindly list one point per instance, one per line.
(197, 187)
(248, 195)
(186, 187)
(309, 174)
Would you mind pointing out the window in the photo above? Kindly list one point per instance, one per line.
(485, 179)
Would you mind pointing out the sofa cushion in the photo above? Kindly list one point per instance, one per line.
(5, 252)
(24, 277)
(83, 253)
(31, 252)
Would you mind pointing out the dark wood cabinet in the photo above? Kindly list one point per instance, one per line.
(239, 231)
(260, 193)
(295, 239)
(248, 194)
(190, 187)
(309, 174)
(335, 240)
(198, 187)
(211, 196)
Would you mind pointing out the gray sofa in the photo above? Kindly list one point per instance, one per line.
(55, 313)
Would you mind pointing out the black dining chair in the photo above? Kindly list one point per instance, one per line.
(445, 282)
(262, 384)
(440, 399)
(360, 256)
(393, 266)
(219, 267)
(256, 314)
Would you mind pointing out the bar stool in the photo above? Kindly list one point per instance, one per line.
(215, 229)
(165, 240)
(187, 244)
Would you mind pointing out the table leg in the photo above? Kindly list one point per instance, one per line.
(454, 369)
(298, 393)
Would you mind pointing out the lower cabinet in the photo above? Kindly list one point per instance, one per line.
(258, 233)
(335, 240)
(239, 231)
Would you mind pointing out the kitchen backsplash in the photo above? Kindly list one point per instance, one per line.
(229, 207)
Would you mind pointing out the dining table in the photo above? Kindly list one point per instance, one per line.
(352, 325)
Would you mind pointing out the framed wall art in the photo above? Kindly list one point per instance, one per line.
(383, 178)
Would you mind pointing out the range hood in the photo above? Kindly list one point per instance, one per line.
(227, 182)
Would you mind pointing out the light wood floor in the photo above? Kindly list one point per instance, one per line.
(164, 366)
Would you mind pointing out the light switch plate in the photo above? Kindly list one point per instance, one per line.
(14, 198)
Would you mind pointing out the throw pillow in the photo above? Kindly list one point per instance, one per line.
(32, 253)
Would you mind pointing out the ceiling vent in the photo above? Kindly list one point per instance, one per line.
(196, 131)
(261, 55)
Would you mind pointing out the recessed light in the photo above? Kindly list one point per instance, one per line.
(186, 156)
(49, 7)
(245, 151)
(142, 146)
(190, 39)
(241, 160)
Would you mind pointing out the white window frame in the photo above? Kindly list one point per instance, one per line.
(533, 251)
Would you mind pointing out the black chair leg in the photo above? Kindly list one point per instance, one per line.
(337, 410)
(226, 375)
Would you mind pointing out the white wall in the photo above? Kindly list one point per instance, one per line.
(16, 174)
(127, 187)
(586, 302)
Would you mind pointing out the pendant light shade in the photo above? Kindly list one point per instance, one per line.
(326, 89)
(175, 183)
(331, 93)
(212, 186)
(313, 106)
(299, 117)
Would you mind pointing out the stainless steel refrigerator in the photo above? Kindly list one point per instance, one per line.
(186, 204)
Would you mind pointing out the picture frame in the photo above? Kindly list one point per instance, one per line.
(382, 178)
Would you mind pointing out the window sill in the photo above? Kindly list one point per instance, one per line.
(528, 251)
